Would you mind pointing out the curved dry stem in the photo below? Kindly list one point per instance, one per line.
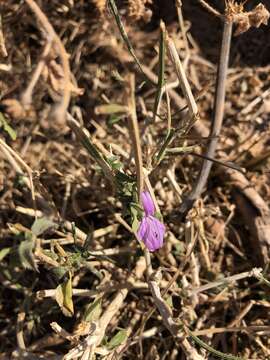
(217, 118)
(61, 110)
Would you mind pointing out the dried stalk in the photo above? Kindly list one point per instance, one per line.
(61, 110)
(3, 50)
(192, 106)
(210, 8)
(26, 98)
(179, 5)
(135, 133)
(223, 282)
(161, 81)
(217, 118)
(98, 329)
(16, 161)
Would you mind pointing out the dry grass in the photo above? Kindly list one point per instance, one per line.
(87, 120)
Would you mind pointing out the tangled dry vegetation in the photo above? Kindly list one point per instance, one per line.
(99, 101)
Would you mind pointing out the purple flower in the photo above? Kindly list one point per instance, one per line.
(151, 230)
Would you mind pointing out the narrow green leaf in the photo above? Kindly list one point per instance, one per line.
(117, 340)
(85, 139)
(125, 37)
(7, 128)
(214, 352)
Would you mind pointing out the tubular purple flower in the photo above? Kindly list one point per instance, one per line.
(148, 204)
(151, 230)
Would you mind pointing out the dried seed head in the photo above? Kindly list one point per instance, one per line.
(137, 10)
(244, 20)
(100, 6)
(259, 15)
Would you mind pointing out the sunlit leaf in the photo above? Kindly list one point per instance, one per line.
(7, 128)
(63, 296)
(4, 252)
(110, 109)
(134, 217)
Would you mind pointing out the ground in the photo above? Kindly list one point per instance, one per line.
(73, 271)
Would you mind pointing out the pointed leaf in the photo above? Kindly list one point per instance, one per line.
(63, 296)
(7, 128)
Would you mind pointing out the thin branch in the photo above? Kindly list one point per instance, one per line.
(209, 348)
(85, 139)
(125, 37)
(217, 118)
(26, 97)
(16, 161)
(161, 71)
(179, 5)
(61, 111)
(135, 133)
(210, 8)
(192, 106)
(3, 50)
(256, 272)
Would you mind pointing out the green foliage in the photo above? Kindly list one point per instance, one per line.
(126, 187)
(60, 271)
(4, 252)
(114, 119)
(63, 296)
(117, 340)
(7, 128)
(115, 163)
(136, 215)
(214, 352)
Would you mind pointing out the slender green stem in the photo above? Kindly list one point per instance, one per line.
(84, 138)
(209, 348)
(125, 37)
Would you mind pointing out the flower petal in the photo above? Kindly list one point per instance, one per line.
(148, 204)
(158, 231)
(143, 228)
(151, 232)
